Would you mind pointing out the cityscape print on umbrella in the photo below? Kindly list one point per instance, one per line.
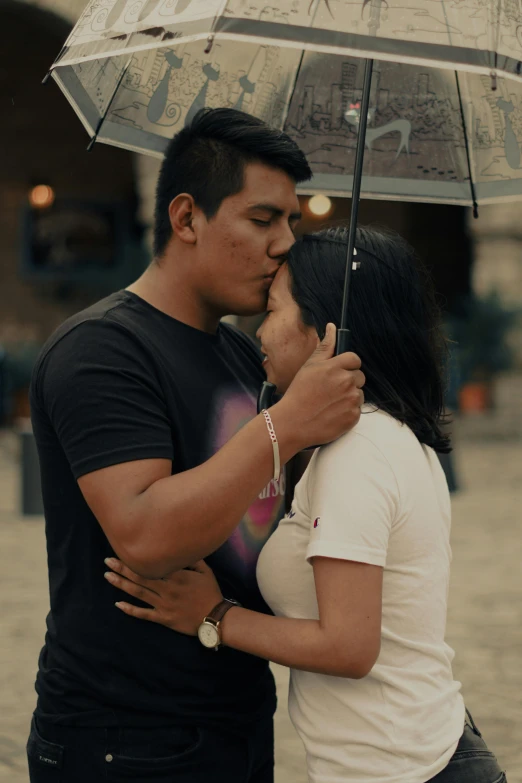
(147, 8)
(212, 75)
(249, 81)
(352, 116)
(166, 59)
(164, 89)
(160, 96)
(511, 146)
(480, 26)
(414, 111)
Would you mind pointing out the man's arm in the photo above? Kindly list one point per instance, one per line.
(158, 523)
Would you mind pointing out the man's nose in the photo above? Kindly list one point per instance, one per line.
(281, 245)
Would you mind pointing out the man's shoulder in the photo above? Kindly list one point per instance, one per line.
(102, 317)
(101, 330)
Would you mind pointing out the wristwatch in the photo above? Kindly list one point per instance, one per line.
(209, 632)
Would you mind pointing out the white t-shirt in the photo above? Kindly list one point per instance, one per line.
(375, 496)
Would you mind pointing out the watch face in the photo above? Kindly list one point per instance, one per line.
(208, 635)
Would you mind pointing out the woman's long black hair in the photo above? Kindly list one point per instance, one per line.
(393, 317)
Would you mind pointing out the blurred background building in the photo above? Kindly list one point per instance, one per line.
(76, 225)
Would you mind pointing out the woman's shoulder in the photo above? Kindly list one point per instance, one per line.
(380, 428)
(362, 460)
(371, 430)
(377, 437)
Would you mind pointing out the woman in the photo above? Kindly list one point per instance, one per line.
(357, 574)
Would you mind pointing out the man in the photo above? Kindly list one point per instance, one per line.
(144, 414)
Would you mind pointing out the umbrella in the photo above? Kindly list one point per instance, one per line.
(135, 72)
(441, 120)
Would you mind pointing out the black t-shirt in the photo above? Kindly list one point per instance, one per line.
(122, 381)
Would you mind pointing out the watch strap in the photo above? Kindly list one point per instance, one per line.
(219, 611)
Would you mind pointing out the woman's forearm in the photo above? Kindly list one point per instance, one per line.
(298, 644)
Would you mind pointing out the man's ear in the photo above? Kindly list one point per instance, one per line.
(181, 214)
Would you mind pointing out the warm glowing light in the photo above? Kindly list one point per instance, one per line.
(320, 205)
(41, 196)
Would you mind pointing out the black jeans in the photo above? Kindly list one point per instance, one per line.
(178, 754)
(472, 762)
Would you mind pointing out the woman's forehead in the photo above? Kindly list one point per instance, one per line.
(281, 284)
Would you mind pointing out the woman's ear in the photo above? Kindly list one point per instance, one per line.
(181, 215)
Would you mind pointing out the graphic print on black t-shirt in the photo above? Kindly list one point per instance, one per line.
(239, 555)
(122, 381)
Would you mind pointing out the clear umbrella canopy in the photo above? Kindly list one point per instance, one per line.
(137, 70)
(429, 128)
(481, 35)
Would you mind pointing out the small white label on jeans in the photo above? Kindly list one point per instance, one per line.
(46, 760)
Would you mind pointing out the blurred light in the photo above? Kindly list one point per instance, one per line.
(41, 196)
(320, 205)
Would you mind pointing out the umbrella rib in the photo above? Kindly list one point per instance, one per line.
(298, 73)
(109, 104)
(468, 153)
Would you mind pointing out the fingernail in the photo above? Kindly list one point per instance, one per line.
(109, 576)
(119, 604)
(110, 561)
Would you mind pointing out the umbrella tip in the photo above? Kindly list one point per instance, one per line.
(475, 210)
(91, 143)
(46, 77)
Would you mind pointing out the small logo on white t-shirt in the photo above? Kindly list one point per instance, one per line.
(316, 522)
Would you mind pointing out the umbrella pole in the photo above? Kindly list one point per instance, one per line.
(343, 334)
(268, 395)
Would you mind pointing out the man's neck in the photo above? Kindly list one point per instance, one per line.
(168, 290)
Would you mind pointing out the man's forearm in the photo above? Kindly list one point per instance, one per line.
(181, 519)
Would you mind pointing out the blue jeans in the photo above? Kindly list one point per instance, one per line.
(472, 762)
(177, 754)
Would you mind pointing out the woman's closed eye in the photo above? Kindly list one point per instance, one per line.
(261, 222)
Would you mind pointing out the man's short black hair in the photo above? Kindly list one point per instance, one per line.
(207, 159)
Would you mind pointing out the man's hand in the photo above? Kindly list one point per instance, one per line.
(324, 399)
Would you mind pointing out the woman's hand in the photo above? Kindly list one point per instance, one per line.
(180, 601)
